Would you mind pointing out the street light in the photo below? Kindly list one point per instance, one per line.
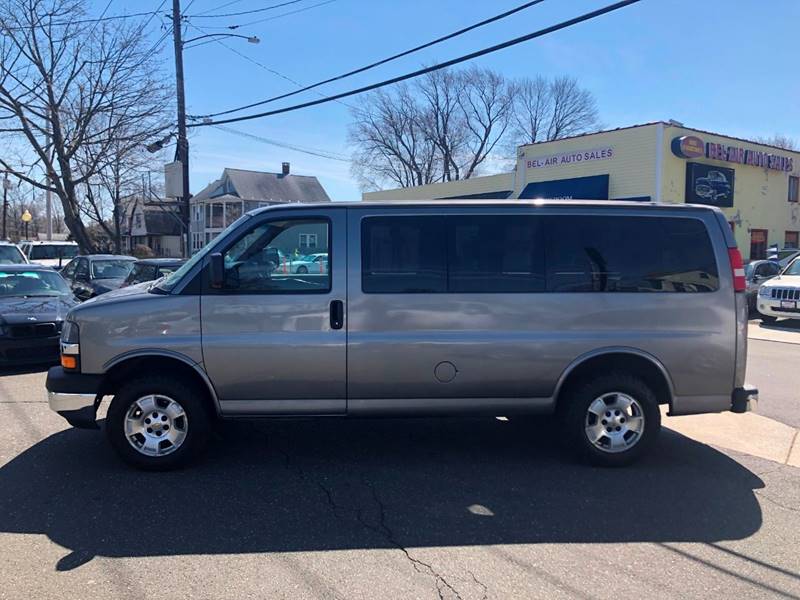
(7, 185)
(26, 218)
(250, 38)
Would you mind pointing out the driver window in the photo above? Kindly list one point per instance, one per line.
(82, 272)
(262, 261)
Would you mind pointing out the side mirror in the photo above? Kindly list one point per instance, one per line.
(217, 270)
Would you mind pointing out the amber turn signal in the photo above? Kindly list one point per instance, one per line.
(69, 362)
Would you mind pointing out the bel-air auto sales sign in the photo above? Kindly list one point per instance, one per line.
(570, 158)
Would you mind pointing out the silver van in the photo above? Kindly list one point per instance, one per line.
(596, 312)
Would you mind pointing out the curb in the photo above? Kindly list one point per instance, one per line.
(748, 433)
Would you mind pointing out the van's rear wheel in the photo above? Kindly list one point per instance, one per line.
(158, 423)
(612, 419)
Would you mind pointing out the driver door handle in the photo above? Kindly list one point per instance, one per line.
(337, 314)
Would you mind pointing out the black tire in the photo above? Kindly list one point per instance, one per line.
(768, 319)
(183, 391)
(574, 413)
(302, 270)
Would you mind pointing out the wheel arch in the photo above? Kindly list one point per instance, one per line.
(157, 361)
(618, 358)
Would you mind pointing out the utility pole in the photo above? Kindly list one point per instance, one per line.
(182, 151)
(6, 187)
(48, 198)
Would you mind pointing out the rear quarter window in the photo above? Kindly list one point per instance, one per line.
(629, 254)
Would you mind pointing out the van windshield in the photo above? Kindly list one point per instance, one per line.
(167, 284)
(53, 251)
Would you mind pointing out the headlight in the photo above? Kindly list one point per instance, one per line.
(764, 291)
(70, 334)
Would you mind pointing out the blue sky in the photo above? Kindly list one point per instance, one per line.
(721, 65)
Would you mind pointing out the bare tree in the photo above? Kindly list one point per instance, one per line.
(487, 104)
(391, 144)
(442, 127)
(549, 110)
(778, 140)
(71, 91)
(448, 124)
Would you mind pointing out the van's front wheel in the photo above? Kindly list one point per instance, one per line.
(611, 420)
(157, 423)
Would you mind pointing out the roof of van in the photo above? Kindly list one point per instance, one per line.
(617, 204)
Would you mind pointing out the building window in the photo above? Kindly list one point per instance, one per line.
(794, 188)
(308, 240)
(792, 239)
(758, 244)
(137, 219)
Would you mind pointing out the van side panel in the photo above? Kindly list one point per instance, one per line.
(450, 346)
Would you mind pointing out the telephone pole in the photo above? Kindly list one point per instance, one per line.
(182, 150)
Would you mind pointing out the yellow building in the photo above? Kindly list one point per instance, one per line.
(757, 186)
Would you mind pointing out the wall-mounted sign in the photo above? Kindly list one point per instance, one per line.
(690, 146)
(594, 187)
(709, 184)
(570, 158)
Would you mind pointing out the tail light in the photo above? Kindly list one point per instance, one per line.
(737, 267)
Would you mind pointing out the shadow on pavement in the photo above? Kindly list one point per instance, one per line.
(273, 486)
(790, 325)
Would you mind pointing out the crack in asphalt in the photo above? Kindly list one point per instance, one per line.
(382, 528)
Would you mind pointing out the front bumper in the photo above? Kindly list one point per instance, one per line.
(74, 396)
(744, 399)
(772, 308)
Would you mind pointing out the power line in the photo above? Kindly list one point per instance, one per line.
(83, 21)
(280, 16)
(311, 151)
(436, 67)
(255, 62)
(204, 15)
(385, 60)
(232, 2)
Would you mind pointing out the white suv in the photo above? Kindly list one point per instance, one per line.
(780, 296)
(50, 254)
(10, 254)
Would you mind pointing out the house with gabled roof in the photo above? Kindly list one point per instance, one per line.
(238, 191)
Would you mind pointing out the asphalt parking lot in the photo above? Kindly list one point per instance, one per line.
(425, 508)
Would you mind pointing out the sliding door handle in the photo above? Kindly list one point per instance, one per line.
(337, 314)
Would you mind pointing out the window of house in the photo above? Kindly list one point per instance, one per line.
(791, 239)
(794, 188)
(308, 241)
(758, 244)
(233, 210)
(137, 219)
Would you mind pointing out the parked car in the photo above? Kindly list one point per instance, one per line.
(96, 274)
(597, 311)
(310, 263)
(33, 303)
(713, 186)
(756, 273)
(780, 296)
(50, 254)
(150, 269)
(10, 254)
(787, 255)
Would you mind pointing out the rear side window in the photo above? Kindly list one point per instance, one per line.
(403, 255)
(629, 254)
(521, 253)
